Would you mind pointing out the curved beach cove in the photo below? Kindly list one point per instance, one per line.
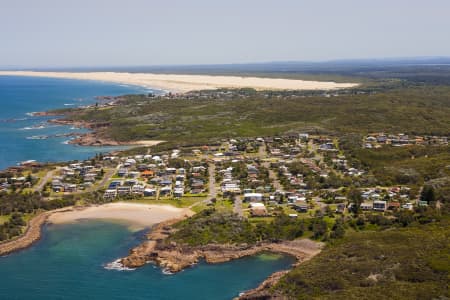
(69, 263)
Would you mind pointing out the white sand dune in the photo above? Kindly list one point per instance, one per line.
(186, 83)
(140, 215)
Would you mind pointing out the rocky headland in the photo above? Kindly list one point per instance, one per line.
(174, 257)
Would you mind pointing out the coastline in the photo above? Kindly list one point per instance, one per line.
(174, 258)
(93, 138)
(137, 215)
(176, 83)
(31, 235)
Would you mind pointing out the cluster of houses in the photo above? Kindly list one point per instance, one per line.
(19, 182)
(76, 176)
(13, 177)
(340, 163)
(150, 176)
(394, 198)
(229, 184)
(243, 168)
(377, 140)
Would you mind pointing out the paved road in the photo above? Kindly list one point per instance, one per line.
(212, 186)
(262, 151)
(103, 182)
(273, 176)
(44, 180)
(237, 206)
(212, 181)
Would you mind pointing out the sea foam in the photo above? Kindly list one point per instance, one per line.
(117, 266)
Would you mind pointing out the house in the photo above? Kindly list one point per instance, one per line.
(340, 208)
(366, 206)
(122, 172)
(171, 171)
(198, 169)
(407, 206)
(165, 182)
(149, 192)
(70, 188)
(147, 174)
(379, 205)
(110, 194)
(57, 186)
(258, 209)
(327, 147)
(178, 192)
(253, 197)
(275, 152)
(300, 206)
(89, 177)
(114, 184)
(123, 190)
(133, 174)
(179, 178)
(197, 184)
(393, 205)
(196, 191)
(165, 190)
(138, 189)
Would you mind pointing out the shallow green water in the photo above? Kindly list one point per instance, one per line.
(68, 263)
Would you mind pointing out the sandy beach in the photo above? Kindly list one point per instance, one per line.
(137, 215)
(185, 83)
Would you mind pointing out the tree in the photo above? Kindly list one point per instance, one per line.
(319, 227)
(355, 198)
(29, 178)
(338, 229)
(428, 194)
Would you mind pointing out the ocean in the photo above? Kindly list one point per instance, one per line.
(20, 133)
(68, 263)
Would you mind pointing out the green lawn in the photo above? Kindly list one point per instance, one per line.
(3, 219)
(177, 202)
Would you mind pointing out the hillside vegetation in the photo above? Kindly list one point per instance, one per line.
(408, 263)
(416, 110)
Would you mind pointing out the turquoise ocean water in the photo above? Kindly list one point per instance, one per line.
(68, 263)
(19, 96)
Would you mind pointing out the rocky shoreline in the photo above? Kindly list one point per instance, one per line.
(91, 138)
(32, 234)
(174, 258)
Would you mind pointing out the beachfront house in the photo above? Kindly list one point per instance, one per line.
(110, 194)
(149, 192)
(123, 190)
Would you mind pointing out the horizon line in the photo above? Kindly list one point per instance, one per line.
(347, 60)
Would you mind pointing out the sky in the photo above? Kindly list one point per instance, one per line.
(53, 33)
